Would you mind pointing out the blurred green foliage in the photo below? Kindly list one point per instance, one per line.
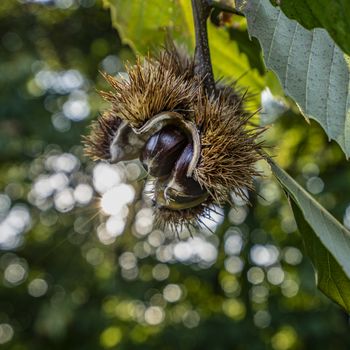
(83, 269)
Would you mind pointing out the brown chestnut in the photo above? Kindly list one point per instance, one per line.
(162, 150)
(178, 191)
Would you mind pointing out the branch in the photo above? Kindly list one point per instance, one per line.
(201, 10)
(225, 8)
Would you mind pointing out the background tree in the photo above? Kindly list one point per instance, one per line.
(78, 271)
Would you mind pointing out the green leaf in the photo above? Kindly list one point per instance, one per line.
(228, 61)
(327, 242)
(144, 25)
(251, 48)
(312, 69)
(333, 15)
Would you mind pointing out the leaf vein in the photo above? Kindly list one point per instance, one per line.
(289, 54)
(307, 71)
(273, 37)
(328, 90)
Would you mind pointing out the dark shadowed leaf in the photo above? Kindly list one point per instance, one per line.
(326, 241)
(331, 15)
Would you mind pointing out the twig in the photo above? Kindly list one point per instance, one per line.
(201, 10)
(225, 8)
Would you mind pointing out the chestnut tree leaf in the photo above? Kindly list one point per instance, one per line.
(333, 15)
(310, 66)
(228, 61)
(144, 25)
(326, 241)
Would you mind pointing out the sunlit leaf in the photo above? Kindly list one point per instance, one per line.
(144, 25)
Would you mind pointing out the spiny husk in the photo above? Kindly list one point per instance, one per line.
(165, 83)
(177, 220)
(97, 143)
(191, 218)
(229, 149)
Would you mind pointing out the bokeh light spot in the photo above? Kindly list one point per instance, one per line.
(37, 287)
(116, 198)
(154, 315)
(111, 337)
(172, 293)
(6, 333)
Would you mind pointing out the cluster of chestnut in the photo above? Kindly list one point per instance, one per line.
(167, 155)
